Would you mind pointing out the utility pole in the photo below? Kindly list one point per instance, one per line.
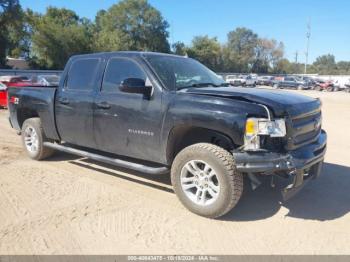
(308, 35)
(296, 62)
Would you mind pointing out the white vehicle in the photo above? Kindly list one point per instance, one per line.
(241, 80)
(341, 85)
(251, 80)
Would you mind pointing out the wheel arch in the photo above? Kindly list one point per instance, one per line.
(183, 136)
(25, 113)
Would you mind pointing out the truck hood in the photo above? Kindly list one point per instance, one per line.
(282, 103)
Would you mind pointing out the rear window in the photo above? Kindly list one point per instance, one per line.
(82, 74)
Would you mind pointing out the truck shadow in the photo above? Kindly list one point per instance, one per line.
(325, 198)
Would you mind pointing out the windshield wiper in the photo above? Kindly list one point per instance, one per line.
(198, 85)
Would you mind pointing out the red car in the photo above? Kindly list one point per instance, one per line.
(3, 95)
(323, 85)
(10, 81)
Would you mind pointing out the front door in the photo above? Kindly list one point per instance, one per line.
(127, 124)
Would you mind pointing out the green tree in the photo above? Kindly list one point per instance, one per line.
(206, 50)
(132, 25)
(12, 31)
(325, 64)
(179, 48)
(240, 50)
(268, 54)
(343, 67)
(57, 35)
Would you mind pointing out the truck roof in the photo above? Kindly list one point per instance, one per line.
(124, 53)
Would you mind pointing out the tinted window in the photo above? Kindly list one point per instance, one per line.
(82, 74)
(119, 69)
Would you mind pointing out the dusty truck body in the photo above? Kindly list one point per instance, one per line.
(159, 113)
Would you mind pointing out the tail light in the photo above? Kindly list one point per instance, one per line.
(14, 100)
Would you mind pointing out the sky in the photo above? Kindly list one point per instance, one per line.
(283, 20)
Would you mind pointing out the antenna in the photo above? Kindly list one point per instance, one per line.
(308, 35)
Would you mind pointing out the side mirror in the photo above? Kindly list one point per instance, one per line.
(136, 86)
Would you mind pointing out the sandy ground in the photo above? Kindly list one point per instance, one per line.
(69, 205)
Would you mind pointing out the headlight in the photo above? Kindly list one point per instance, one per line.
(256, 127)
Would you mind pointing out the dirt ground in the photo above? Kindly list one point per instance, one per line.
(69, 205)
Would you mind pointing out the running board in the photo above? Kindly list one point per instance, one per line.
(109, 160)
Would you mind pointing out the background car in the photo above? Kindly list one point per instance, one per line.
(3, 95)
(290, 82)
(265, 80)
(236, 80)
(251, 80)
(241, 80)
(13, 79)
(347, 86)
(309, 82)
(324, 85)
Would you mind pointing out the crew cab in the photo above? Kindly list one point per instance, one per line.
(160, 114)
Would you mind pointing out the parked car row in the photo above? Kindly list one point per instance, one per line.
(288, 82)
(21, 81)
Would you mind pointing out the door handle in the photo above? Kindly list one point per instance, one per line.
(63, 101)
(103, 105)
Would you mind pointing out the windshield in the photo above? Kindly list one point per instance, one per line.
(181, 72)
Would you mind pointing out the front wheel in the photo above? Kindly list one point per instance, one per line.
(206, 181)
(33, 138)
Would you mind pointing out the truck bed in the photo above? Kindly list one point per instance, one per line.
(23, 102)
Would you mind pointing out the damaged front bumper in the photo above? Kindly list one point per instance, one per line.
(299, 166)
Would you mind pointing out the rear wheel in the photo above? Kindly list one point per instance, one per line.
(205, 180)
(329, 89)
(33, 139)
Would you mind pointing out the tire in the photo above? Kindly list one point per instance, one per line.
(33, 139)
(228, 183)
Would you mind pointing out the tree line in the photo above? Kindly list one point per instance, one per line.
(47, 40)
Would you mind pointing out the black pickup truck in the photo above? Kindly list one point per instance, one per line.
(159, 113)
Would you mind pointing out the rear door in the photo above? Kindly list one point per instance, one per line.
(127, 124)
(74, 102)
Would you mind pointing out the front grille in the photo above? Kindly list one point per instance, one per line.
(304, 129)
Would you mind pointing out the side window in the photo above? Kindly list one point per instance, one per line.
(82, 74)
(119, 69)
